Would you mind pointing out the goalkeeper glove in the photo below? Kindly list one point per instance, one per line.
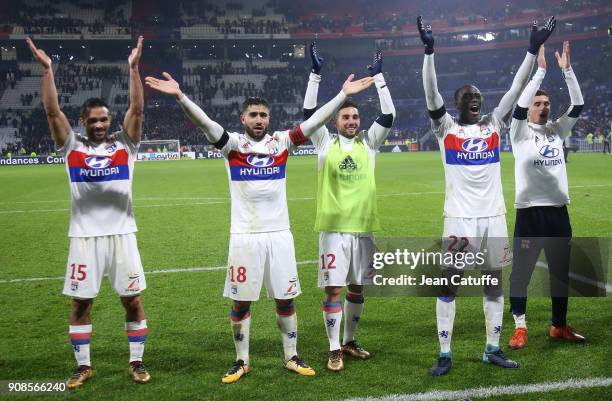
(376, 67)
(317, 61)
(539, 36)
(426, 35)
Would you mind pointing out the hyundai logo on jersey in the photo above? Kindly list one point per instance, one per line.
(260, 160)
(471, 151)
(474, 145)
(249, 167)
(98, 161)
(549, 151)
(86, 168)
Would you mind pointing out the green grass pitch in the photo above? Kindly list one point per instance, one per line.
(182, 211)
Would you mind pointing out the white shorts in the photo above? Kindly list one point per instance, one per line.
(256, 258)
(345, 258)
(488, 235)
(89, 258)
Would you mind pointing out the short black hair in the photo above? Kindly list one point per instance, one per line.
(464, 87)
(542, 92)
(91, 103)
(254, 101)
(347, 103)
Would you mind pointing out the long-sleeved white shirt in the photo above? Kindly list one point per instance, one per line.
(539, 171)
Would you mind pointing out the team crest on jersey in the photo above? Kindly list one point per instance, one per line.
(471, 151)
(551, 138)
(74, 286)
(251, 167)
(484, 130)
(111, 147)
(272, 146)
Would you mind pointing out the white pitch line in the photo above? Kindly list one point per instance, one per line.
(160, 271)
(493, 391)
(586, 280)
(227, 199)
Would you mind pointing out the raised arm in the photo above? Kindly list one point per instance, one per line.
(58, 123)
(132, 122)
(435, 103)
(380, 128)
(326, 112)
(536, 39)
(519, 117)
(564, 124)
(212, 130)
(310, 98)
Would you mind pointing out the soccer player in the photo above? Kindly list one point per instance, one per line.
(100, 169)
(346, 208)
(261, 245)
(474, 210)
(542, 196)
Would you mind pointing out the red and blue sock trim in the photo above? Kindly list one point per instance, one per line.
(332, 307)
(354, 297)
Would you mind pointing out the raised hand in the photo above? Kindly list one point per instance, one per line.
(317, 61)
(134, 58)
(426, 35)
(376, 67)
(351, 87)
(564, 59)
(542, 58)
(168, 86)
(539, 36)
(39, 54)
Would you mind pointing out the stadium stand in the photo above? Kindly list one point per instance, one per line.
(245, 56)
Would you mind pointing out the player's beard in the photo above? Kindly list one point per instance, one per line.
(350, 133)
(255, 133)
(97, 136)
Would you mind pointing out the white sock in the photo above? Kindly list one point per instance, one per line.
(286, 318)
(80, 337)
(332, 315)
(137, 335)
(520, 322)
(494, 315)
(353, 308)
(241, 324)
(445, 317)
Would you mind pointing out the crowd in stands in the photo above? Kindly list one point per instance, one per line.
(284, 86)
(394, 15)
(49, 17)
(284, 91)
(253, 21)
(282, 17)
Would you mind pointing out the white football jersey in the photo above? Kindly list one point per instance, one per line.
(256, 173)
(100, 179)
(470, 155)
(539, 170)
